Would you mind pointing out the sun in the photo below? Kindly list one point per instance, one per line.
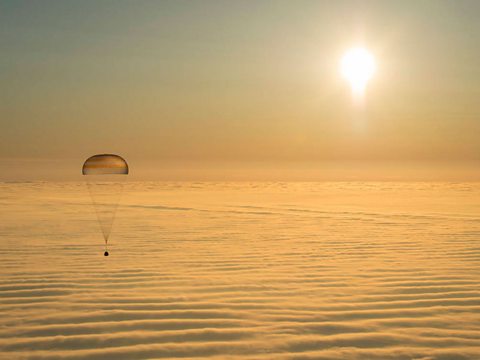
(358, 66)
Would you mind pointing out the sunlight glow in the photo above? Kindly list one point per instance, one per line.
(358, 66)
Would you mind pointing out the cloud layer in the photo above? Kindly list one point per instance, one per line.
(242, 271)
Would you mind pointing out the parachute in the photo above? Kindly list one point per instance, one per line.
(105, 174)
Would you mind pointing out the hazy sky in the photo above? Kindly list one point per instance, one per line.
(237, 82)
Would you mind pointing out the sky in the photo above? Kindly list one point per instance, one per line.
(239, 90)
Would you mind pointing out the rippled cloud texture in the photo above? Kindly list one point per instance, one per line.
(242, 271)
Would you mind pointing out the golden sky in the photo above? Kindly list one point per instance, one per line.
(191, 84)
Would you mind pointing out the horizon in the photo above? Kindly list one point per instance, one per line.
(69, 170)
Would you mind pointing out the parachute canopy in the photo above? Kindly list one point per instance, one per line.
(105, 164)
(105, 187)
